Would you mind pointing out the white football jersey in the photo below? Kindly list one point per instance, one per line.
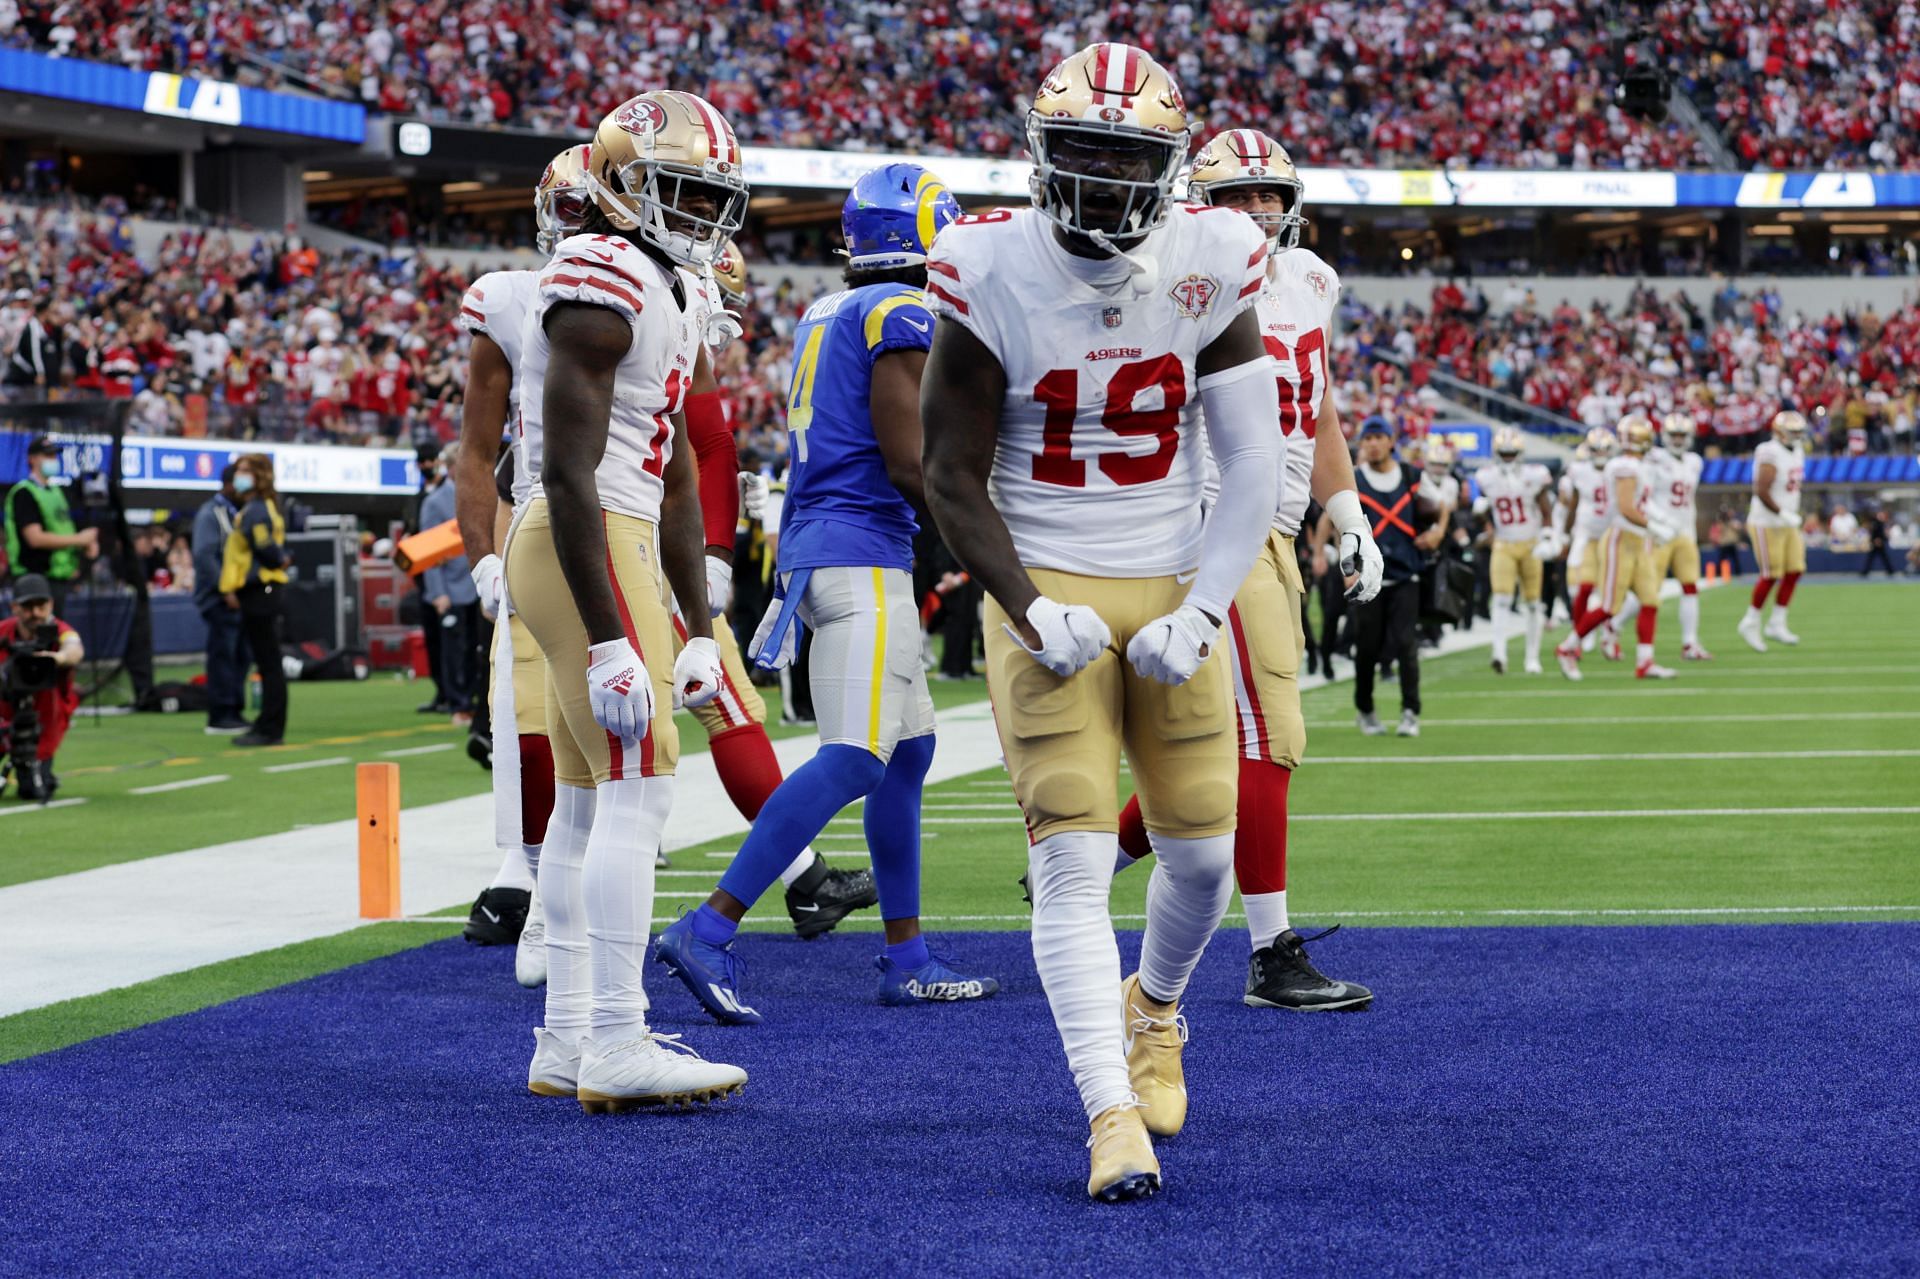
(497, 304)
(650, 383)
(1513, 499)
(1099, 468)
(1624, 467)
(1443, 492)
(1670, 485)
(1789, 468)
(1586, 487)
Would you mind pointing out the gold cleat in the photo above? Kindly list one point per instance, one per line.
(1154, 1035)
(1123, 1163)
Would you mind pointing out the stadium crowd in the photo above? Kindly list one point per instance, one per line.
(1487, 82)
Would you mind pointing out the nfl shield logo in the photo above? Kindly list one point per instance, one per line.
(1110, 317)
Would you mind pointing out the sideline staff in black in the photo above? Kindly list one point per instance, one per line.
(1389, 623)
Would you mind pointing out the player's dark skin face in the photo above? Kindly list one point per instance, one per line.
(1101, 204)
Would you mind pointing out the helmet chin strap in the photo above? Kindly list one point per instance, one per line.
(1143, 268)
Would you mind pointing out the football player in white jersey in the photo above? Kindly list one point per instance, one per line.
(1626, 555)
(1064, 469)
(1245, 169)
(1439, 487)
(1773, 522)
(1517, 495)
(494, 310)
(612, 347)
(1582, 517)
(1673, 484)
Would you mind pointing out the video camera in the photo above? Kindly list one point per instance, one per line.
(27, 667)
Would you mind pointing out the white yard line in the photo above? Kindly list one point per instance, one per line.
(1772, 717)
(27, 810)
(420, 750)
(1589, 814)
(185, 783)
(308, 763)
(1628, 757)
(1679, 689)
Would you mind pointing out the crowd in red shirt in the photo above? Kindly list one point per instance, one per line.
(1352, 82)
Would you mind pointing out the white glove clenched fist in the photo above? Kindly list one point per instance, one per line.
(1360, 557)
(753, 494)
(619, 690)
(697, 673)
(1170, 648)
(789, 643)
(486, 580)
(719, 585)
(1071, 635)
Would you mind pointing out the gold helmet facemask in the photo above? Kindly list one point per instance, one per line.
(1677, 432)
(561, 198)
(1250, 158)
(1108, 132)
(651, 156)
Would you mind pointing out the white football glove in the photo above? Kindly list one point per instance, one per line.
(1548, 547)
(722, 327)
(1071, 635)
(1171, 648)
(719, 586)
(1661, 529)
(619, 690)
(1359, 555)
(789, 643)
(753, 494)
(487, 581)
(697, 673)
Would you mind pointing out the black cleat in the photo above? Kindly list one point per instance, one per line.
(1281, 976)
(824, 896)
(1026, 891)
(497, 916)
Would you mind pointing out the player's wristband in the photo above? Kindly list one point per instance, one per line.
(1343, 508)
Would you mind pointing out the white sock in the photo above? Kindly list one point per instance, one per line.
(1628, 613)
(1779, 618)
(1752, 617)
(629, 817)
(1536, 626)
(1502, 618)
(797, 867)
(1071, 876)
(1266, 917)
(1191, 886)
(1689, 619)
(515, 869)
(1642, 654)
(563, 898)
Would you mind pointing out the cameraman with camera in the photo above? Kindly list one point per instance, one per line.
(38, 653)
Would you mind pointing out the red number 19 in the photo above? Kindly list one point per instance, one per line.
(1059, 391)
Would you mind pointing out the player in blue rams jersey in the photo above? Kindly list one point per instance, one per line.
(845, 565)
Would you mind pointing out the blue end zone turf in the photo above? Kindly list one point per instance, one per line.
(1728, 1100)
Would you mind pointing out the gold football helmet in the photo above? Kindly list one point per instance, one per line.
(1508, 445)
(1438, 458)
(1602, 444)
(560, 197)
(1789, 428)
(730, 273)
(1677, 432)
(1108, 132)
(1636, 433)
(666, 164)
(1250, 158)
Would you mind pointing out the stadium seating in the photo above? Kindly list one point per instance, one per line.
(1490, 82)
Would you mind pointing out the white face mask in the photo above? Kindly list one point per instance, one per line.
(49, 467)
(243, 483)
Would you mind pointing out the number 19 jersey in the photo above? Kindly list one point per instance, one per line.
(1099, 468)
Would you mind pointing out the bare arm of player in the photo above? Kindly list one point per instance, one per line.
(1243, 419)
(960, 396)
(587, 343)
(1763, 486)
(893, 403)
(683, 549)
(1626, 496)
(1332, 464)
(483, 413)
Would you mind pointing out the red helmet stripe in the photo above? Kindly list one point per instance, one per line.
(719, 136)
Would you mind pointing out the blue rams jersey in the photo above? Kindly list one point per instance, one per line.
(841, 509)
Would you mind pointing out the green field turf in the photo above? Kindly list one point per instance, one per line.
(1650, 803)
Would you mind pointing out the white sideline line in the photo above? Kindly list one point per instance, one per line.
(16, 810)
(1624, 757)
(968, 808)
(1782, 717)
(186, 783)
(308, 763)
(683, 874)
(1593, 813)
(1677, 690)
(723, 857)
(1003, 782)
(682, 896)
(420, 750)
(1697, 671)
(1014, 818)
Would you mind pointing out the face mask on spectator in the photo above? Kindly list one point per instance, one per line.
(243, 483)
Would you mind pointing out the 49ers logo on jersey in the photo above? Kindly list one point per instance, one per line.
(642, 117)
(1194, 295)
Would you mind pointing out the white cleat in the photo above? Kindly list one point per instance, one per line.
(1610, 643)
(555, 1070)
(1778, 632)
(1749, 629)
(1370, 724)
(1695, 653)
(1569, 659)
(650, 1070)
(530, 952)
(1533, 666)
(1409, 725)
(1653, 670)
